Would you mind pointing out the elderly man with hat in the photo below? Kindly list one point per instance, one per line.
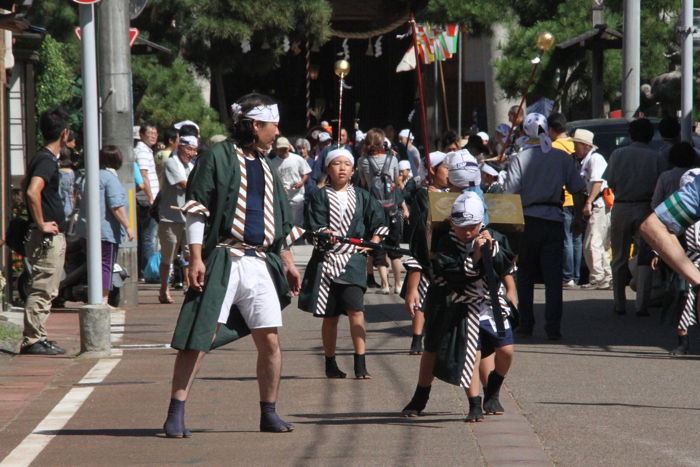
(294, 172)
(596, 244)
(537, 173)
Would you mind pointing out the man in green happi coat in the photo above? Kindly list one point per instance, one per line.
(241, 270)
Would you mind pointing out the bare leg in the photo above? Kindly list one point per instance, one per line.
(357, 330)
(384, 276)
(487, 365)
(396, 270)
(164, 270)
(187, 365)
(417, 323)
(425, 373)
(504, 359)
(329, 335)
(474, 388)
(269, 364)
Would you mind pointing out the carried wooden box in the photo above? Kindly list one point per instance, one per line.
(505, 212)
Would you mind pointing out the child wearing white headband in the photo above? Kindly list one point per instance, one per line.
(335, 281)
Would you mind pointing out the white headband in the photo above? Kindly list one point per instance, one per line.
(189, 141)
(342, 152)
(179, 125)
(261, 113)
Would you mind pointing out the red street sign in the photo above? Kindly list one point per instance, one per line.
(86, 2)
(133, 35)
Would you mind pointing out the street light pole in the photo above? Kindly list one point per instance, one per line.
(687, 71)
(95, 317)
(630, 59)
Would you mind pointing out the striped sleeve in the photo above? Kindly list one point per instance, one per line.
(194, 207)
(680, 210)
(411, 264)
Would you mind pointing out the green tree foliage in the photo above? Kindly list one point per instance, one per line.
(167, 94)
(208, 33)
(56, 81)
(566, 77)
(475, 15)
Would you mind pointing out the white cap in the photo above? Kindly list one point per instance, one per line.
(487, 169)
(403, 165)
(406, 133)
(464, 169)
(437, 158)
(342, 152)
(484, 136)
(324, 136)
(468, 209)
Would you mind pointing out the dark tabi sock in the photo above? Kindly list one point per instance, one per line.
(332, 370)
(416, 344)
(475, 413)
(683, 346)
(492, 406)
(271, 422)
(418, 402)
(360, 368)
(175, 423)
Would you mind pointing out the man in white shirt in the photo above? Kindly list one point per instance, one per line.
(294, 172)
(143, 155)
(596, 243)
(171, 226)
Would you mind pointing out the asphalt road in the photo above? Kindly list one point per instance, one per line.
(607, 394)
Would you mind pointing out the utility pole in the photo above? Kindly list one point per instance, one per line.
(687, 71)
(117, 119)
(94, 317)
(630, 59)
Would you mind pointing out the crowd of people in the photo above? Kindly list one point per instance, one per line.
(232, 208)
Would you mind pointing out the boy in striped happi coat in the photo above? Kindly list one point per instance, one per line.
(239, 229)
(458, 308)
(335, 280)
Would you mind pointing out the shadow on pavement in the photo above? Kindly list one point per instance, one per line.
(375, 418)
(590, 323)
(619, 404)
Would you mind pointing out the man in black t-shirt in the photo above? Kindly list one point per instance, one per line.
(46, 245)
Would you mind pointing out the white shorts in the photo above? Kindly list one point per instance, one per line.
(251, 289)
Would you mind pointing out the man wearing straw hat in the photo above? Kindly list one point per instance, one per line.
(596, 243)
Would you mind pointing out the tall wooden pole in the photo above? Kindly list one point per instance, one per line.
(421, 98)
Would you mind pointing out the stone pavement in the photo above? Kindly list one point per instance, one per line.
(608, 394)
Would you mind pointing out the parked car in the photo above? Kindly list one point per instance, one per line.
(611, 133)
